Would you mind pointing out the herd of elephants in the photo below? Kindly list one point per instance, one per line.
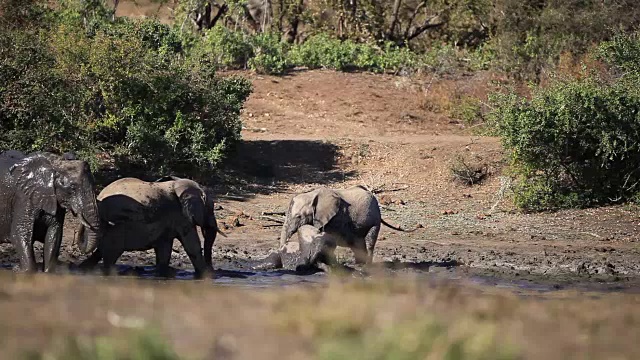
(37, 189)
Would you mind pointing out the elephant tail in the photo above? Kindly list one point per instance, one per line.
(398, 228)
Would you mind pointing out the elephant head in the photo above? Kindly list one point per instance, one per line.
(49, 182)
(197, 206)
(315, 208)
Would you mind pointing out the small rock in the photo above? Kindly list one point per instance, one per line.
(386, 200)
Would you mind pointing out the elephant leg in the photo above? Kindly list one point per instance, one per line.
(163, 251)
(191, 244)
(52, 242)
(327, 256)
(21, 238)
(112, 246)
(360, 251)
(370, 240)
(92, 260)
(109, 258)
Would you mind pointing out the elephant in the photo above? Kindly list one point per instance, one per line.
(308, 251)
(36, 190)
(351, 216)
(138, 215)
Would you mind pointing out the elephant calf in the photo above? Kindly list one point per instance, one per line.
(309, 250)
(140, 215)
(350, 216)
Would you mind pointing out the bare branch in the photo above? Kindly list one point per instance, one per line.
(416, 11)
(270, 218)
(222, 9)
(394, 17)
(424, 27)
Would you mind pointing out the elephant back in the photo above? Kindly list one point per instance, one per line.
(362, 205)
(134, 200)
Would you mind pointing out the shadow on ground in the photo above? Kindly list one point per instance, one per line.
(256, 167)
(266, 167)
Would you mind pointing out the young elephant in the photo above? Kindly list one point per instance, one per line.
(351, 216)
(309, 250)
(140, 215)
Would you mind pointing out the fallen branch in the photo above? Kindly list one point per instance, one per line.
(390, 190)
(274, 213)
(271, 218)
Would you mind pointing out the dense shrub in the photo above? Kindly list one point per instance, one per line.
(574, 144)
(577, 142)
(269, 54)
(124, 89)
(323, 51)
(225, 48)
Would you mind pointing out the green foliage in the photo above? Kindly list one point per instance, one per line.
(530, 36)
(225, 48)
(145, 345)
(125, 88)
(468, 109)
(622, 53)
(269, 54)
(323, 51)
(576, 143)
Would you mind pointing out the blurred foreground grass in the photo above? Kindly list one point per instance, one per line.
(81, 317)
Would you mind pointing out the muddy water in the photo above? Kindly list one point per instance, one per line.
(242, 274)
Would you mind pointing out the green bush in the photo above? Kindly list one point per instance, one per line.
(323, 51)
(622, 53)
(269, 54)
(225, 48)
(124, 89)
(574, 144)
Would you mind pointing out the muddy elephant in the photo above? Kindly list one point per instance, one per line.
(139, 215)
(350, 216)
(35, 192)
(309, 250)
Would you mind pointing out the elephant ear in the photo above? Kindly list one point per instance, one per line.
(192, 200)
(34, 178)
(326, 205)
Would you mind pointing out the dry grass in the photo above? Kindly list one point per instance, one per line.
(390, 318)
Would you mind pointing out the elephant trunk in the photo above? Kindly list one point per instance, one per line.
(283, 233)
(209, 235)
(89, 233)
(288, 229)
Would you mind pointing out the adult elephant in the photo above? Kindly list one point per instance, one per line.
(35, 192)
(139, 215)
(350, 216)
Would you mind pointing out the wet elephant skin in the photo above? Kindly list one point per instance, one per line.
(35, 192)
